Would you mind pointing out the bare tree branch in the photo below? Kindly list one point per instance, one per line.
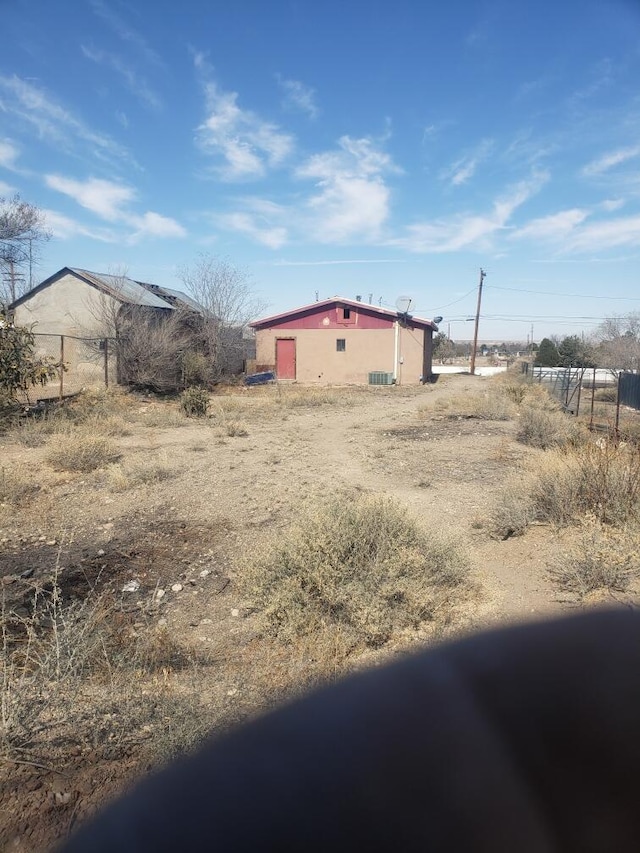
(22, 232)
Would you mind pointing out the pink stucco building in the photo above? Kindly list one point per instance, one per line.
(340, 341)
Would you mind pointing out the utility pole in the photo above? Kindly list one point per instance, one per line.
(532, 340)
(472, 366)
(12, 278)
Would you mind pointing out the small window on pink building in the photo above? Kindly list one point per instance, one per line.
(341, 345)
(346, 313)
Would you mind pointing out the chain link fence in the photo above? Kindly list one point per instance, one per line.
(609, 398)
(86, 363)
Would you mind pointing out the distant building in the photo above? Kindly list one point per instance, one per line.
(344, 341)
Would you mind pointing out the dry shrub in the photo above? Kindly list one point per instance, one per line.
(512, 510)
(16, 487)
(34, 433)
(79, 674)
(538, 396)
(235, 428)
(606, 395)
(359, 566)
(600, 479)
(80, 450)
(544, 428)
(605, 559)
(194, 402)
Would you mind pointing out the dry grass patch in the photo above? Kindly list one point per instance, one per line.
(80, 450)
(601, 479)
(16, 487)
(79, 675)
(605, 560)
(163, 416)
(544, 428)
(488, 405)
(360, 567)
(235, 429)
(133, 473)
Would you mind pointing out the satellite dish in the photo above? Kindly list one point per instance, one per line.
(403, 303)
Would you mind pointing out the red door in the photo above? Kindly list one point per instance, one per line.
(286, 358)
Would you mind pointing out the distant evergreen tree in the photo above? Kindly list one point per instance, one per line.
(573, 352)
(547, 355)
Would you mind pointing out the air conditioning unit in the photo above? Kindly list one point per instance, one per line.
(379, 377)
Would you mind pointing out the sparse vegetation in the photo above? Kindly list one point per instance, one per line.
(599, 478)
(544, 428)
(360, 567)
(194, 402)
(80, 451)
(63, 664)
(604, 561)
(278, 599)
(235, 428)
(15, 486)
(129, 474)
(481, 405)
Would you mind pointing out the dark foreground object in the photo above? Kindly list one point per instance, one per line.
(523, 739)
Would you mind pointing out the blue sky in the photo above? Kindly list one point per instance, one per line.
(385, 148)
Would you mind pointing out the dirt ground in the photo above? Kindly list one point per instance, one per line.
(184, 535)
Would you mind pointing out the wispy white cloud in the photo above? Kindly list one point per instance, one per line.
(465, 231)
(260, 219)
(246, 143)
(6, 189)
(556, 226)
(8, 154)
(351, 198)
(110, 201)
(606, 234)
(611, 204)
(298, 96)
(602, 77)
(152, 224)
(464, 168)
(136, 84)
(610, 160)
(53, 123)
(245, 223)
(104, 198)
(125, 32)
(64, 228)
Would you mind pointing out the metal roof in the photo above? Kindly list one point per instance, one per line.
(174, 296)
(125, 289)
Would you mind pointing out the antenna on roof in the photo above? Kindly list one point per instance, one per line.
(317, 298)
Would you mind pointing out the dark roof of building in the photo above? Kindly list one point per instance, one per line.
(349, 303)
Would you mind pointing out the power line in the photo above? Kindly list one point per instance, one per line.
(569, 295)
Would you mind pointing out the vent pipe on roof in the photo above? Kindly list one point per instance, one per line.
(358, 298)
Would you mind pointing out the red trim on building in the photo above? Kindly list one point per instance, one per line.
(329, 314)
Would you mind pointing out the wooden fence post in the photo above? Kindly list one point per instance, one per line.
(106, 362)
